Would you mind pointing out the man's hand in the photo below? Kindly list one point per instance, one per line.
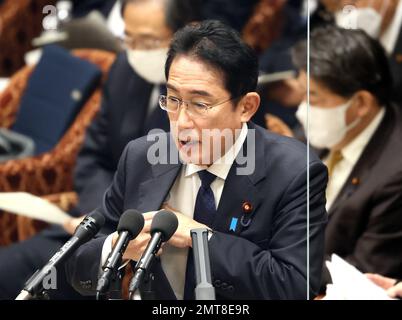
(182, 237)
(137, 246)
(387, 284)
(276, 125)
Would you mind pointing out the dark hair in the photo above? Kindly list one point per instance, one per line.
(221, 47)
(177, 12)
(346, 61)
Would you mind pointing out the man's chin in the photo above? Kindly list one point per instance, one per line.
(194, 158)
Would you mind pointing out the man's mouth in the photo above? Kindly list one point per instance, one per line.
(187, 143)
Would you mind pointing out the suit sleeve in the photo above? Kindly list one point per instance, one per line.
(82, 268)
(379, 246)
(279, 271)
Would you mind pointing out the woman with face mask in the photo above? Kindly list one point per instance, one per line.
(351, 115)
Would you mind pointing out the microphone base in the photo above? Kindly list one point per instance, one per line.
(205, 292)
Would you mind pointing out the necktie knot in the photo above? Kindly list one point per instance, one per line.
(334, 158)
(206, 178)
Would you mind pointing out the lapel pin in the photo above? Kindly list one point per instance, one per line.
(247, 207)
(233, 224)
(398, 58)
(355, 181)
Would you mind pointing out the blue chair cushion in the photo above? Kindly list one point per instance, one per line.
(57, 89)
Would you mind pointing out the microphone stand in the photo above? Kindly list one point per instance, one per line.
(148, 292)
(113, 291)
(204, 289)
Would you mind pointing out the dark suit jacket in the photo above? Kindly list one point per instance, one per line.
(123, 117)
(267, 259)
(395, 62)
(365, 220)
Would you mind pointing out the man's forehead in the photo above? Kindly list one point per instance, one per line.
(194, 91)
(190, 74)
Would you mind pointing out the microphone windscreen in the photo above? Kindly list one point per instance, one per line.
(164, 222)
(98, 218)
(131, 221)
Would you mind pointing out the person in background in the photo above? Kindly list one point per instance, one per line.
(351, 116)
(280, 98)
(129, 110)
(380, 19)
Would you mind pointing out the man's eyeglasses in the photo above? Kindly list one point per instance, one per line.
(194, 109)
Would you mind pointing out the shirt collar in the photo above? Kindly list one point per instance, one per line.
(354, 149)
(221, 167)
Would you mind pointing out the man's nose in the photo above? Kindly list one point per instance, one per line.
(184, 121)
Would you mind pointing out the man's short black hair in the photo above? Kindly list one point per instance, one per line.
(178, 12)
(220, 47)
(346, 61)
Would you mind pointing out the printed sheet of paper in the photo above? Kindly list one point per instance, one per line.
(350, 284)
(31, 206)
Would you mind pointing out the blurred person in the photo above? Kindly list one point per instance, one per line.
(381, 19)
(233, 13)
(129, 110)
(352, 117)
(279, 99)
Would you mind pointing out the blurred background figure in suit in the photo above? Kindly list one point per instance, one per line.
(129, 110)
(352, 116)
(380, 19)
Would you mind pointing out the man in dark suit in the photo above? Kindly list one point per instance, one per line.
(246, 185)
(351, 115)
(129, 110)
(382, 20)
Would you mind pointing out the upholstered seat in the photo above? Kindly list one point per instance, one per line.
(51, 172)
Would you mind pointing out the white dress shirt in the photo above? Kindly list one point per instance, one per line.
(390, 36)
(351, 154)
(182, 198)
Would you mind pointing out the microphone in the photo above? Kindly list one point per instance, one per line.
(130, 225)
(202, 265)
(85, 231)
(164, 225)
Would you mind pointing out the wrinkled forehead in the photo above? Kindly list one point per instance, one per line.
(188, 74)
(147, 19)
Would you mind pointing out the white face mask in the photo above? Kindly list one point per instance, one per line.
(149, 64)
(327, 126)
(367, 19)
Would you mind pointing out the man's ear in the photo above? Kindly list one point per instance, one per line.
(249, 105)
(364, 102)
